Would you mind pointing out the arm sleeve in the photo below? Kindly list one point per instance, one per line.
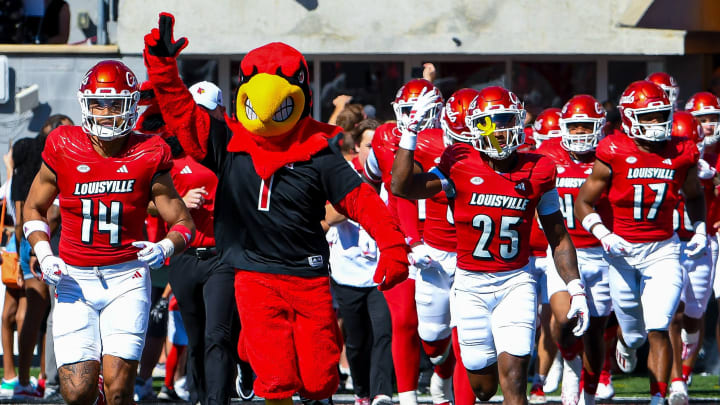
(549, 202)
(189, 122)
(372, 169)
(408, 217)
(363, 205)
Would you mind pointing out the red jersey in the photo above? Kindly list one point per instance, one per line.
(188, 174)
(712, 203)
(538, 241)
(103, 201)
(645, 187)
(493, 212)
(571, 175)
(438, 229)
(384, 146)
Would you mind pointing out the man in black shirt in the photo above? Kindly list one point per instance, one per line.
(276, 173)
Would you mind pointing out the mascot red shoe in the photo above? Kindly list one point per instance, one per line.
(276, 172)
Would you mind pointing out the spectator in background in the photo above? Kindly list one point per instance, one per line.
(353, 258)
(209, 95)
(348, 120)
(27, 161)
(55, 23)
(613, 121)
(339, 103)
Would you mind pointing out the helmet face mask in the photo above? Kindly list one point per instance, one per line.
(508, 131)
(705, 106)
(639, 100)
(108, 97)
(585, 112)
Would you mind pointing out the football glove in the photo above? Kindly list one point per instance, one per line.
(154, 254)
(615, 245)
(578, 307)
(420, 257)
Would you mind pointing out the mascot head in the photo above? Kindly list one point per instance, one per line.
(274, 93)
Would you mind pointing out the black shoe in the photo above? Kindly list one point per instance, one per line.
(244, 382)
(168, 394)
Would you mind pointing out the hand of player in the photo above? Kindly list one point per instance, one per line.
(705, 171)
(53, 269)
(160, 42)
(367, 245)
(159, 311)
(151, 253)
(616, 246)
(578, 307)
(195, 198)
(696, 246)
(420, 256)
(392, 268)
(429, 72)
(424, 103)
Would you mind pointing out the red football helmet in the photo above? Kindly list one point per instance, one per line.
(582, 109)
(667, 83)
(640, 98)
(546, 125)
(687, 126)
(502, 109)
(408, 95)
(453, 115)
(705, 106)
(112, 86)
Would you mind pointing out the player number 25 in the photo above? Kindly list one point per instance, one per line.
(509, 249)
(107, 222)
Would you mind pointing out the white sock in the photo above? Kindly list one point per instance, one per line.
(408, 398)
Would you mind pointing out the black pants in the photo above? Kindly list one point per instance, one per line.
(368, 333)
(205, 293)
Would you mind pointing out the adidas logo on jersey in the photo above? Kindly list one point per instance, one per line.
(667, 161)
(122, 169)
(186, 170)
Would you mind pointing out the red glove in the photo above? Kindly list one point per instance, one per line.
(392, 268)
(363, 205)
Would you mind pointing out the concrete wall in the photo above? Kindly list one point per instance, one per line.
(403, 26)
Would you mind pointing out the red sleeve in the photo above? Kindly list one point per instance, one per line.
(407, 212)
(189, 122)
(603, 152)
(363, 205)
(165, 163)
(451, 155)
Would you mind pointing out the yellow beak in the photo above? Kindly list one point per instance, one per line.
(268, 105)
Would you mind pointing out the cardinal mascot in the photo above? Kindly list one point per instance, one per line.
(276, 172)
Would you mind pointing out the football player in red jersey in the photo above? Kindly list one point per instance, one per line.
(545, 127)
(494, 192)
(104, 175)
(581, 125)
(685, 326)
(643, 173)
(705, 106)
(401, 299)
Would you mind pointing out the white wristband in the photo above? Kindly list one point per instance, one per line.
(700, 227)
(408, 140)
(42, 250)
(575, 287)
(35, 225)
(600, 231)
(447, 186)
(167, 246)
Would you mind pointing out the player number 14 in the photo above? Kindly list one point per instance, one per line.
(107, 218)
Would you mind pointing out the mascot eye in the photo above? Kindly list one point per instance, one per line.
(301, 77)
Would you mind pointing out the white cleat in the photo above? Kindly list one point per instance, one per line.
(626, 357)
(605, 391)
(441, 389)
(678, 393)
(552, 381)
(571, 381)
